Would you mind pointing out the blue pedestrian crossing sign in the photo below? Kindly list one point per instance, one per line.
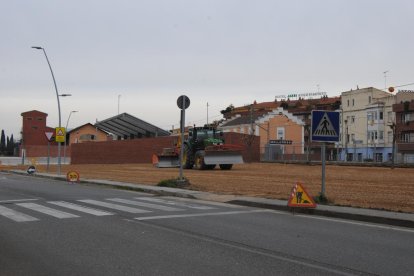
(325, 126)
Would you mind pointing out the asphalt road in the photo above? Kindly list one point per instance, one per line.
(50, 227)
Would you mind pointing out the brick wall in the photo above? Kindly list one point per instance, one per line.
(141, 150)
(41, 151)
(119, 152)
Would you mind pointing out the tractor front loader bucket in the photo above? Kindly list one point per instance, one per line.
(168, 159)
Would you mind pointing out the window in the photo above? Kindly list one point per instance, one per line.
(280, 133)
(389, 115)
(353, 137)
(405, 137)
(39, 118)
(372, 135)
(389, 134)
(352, 119)
(353, 102)
(87, 137)
(369, 99)
(348, 102)
(381, 115)
(29, 118)
(381, 135)
(408, 117)
(34, 127)
(369, 116)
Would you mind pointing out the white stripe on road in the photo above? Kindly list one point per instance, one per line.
(14, 215)
(18, 200)
(170, 202)
(203, 214)
(46, 210)
(114, 206)
(80, 208)
(367, 224)
(144, 204)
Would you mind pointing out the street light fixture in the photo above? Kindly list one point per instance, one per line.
(64, 147)
(58, 102)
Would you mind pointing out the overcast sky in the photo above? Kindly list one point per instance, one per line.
(217, 51)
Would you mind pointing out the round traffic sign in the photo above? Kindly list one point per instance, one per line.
(183, 102)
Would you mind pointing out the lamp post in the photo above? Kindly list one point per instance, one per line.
(64, 147)
(58, 102)
(346, 140)
(119, 98)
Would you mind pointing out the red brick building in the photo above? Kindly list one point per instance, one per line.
(34, 140)
(404, 130)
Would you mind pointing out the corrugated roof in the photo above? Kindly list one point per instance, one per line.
(129, 127)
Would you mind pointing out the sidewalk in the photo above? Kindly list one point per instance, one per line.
(351, 213)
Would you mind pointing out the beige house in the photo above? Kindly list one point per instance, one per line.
(275, 125)
(87, 133)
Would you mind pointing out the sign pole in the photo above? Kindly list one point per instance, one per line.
(183, 102)
(325, 129)
(48, 156)
(323, 156)
(182, 141)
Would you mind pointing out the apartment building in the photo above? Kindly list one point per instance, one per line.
(366, 119)
(404, 126)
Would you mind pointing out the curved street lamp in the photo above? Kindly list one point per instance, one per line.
(64, 147)
(58, 102)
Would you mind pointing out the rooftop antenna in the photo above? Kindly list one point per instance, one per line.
(385, 78)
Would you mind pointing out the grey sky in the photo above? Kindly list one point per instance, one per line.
(217, 51)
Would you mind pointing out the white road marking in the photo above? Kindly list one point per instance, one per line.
(202, 201)
(18, 200)
(388, 227)
(114, 206)
(144, 204)
(80, 208)
(14, 215)
(170, 202)
(202, 214)
(46, 210)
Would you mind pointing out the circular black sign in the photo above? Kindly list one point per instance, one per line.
(183, 102)
(31, 170)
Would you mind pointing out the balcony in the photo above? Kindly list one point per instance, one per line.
(405, 147)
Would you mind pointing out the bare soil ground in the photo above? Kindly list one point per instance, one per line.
(368, 187)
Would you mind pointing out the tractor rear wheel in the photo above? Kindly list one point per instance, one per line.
(199, 161)
(187, 160)
(226, 166)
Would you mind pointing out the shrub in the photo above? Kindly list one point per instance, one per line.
(174, 183)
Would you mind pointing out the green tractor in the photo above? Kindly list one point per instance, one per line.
(205, 148)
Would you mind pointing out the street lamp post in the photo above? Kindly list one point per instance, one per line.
(58, 102)
(64, 147)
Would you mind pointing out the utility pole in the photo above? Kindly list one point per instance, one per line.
(207, 113)
(119, 98)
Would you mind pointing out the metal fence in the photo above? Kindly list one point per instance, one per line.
(361, 153)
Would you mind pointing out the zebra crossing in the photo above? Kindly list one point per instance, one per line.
(32, 210)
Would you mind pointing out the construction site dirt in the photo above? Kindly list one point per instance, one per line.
(367, 187)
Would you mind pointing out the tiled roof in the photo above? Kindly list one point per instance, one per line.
(242, 120)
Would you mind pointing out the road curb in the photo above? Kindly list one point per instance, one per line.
(332, 213)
